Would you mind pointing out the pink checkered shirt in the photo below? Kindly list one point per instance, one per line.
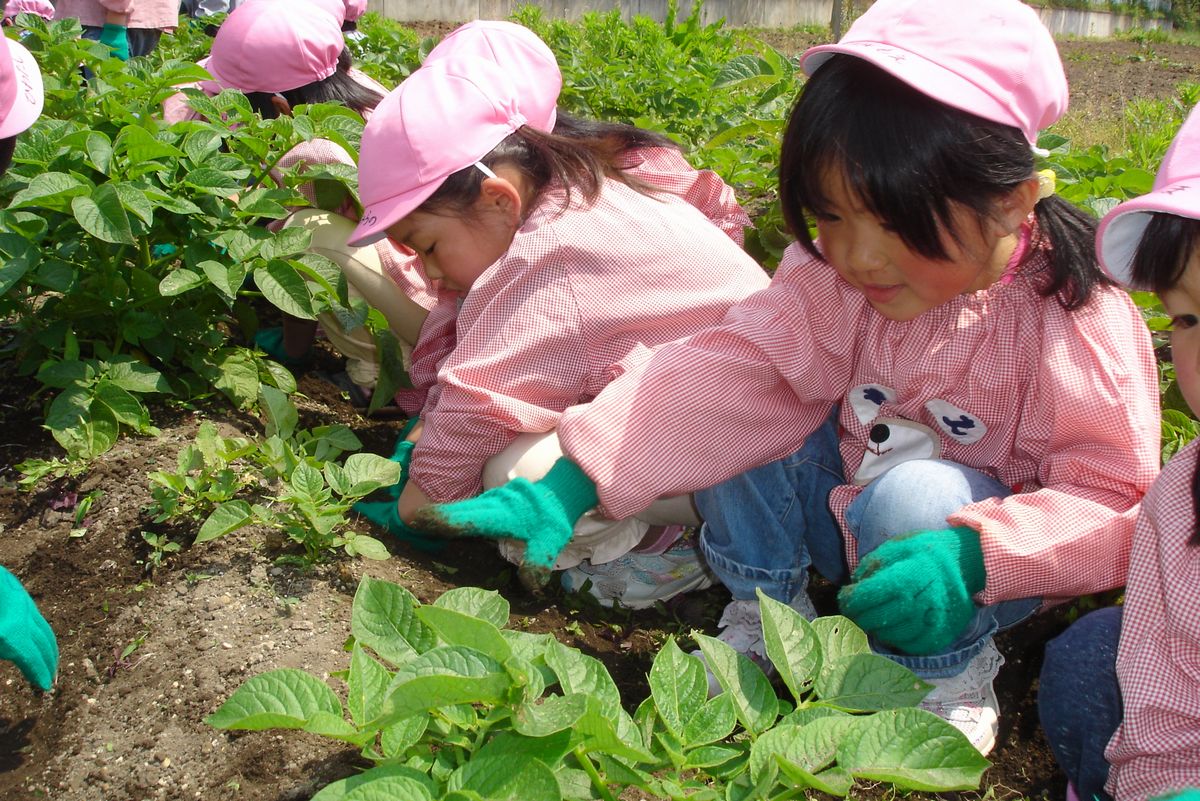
(1156, 749)
(664, 168)
(162, 14)
(579, 293)
(1061, 406)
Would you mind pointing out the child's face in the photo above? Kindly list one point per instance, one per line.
(1182, 302)
(899, 283)
(455, 249)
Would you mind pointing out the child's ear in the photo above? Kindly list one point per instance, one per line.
(1015, 206)
(502, 195)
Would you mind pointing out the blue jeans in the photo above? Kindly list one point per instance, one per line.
(765, 527)
(142, 41)
(1079, 700)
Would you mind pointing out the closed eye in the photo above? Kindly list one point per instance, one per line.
(1182, 322)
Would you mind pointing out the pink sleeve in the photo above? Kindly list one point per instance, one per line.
(315, 152)
(436, 342)
(118, 6)
(1096, 400)
(667, 169)
(725, 400)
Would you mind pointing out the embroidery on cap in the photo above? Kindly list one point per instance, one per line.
(867, 399)
(961, 426)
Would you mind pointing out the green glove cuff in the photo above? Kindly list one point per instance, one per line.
(970, 558)
(571, 486)
(117, 38)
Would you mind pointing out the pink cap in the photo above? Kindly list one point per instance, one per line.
(275, 46)
(336, 8)
(20, 89)
(991, 58)
(525, 59)
(355, 9)
(1176, 191)
(441, 119)
(42, 8)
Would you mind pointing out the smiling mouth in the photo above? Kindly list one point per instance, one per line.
(881, 294)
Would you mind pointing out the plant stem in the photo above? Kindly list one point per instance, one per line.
(597, 780)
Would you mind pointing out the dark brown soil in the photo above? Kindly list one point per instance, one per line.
(127, 728)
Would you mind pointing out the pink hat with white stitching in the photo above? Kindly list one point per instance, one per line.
(1176, 191)
(525, 59)
(355, 9)
(275, 46)
(443, 118)
(21, 96)
(991, 58)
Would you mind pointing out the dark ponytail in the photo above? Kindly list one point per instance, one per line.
(339, 87)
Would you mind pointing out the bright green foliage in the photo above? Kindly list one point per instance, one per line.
(450, 704)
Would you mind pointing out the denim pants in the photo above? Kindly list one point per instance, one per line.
(141, 40)
(764, 528)
(1079, 700)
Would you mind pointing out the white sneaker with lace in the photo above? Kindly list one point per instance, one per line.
(741, 630)
(640, 580)
(968, 701)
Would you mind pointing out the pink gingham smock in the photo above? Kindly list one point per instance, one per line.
(1068, 400)
(1157, 746)
(142, 13)
(664, 168)
(400, 266)
(579, 291)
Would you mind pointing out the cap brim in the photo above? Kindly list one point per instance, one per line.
(380, 216)
(1120, 232)
(217, 83)
(918, 72)
(28, 101)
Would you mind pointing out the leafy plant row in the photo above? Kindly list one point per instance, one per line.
(449, 703)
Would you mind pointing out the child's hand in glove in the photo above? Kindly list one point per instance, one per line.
(117, 39)
(25, 636)
(914, 591)
(540, 513)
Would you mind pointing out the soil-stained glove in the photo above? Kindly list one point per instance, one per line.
(914, 591)
(117, 38)
(540, 513)
(385, 515)
(25, 636)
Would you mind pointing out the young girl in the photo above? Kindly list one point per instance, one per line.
(1124, 720)
(669, 565)
(282, 54)
(567, 266)
(947, 358)
(25, 637)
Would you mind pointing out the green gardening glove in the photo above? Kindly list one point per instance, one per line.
(914, 591)
(540, 513)
(1182, 794)
(385, 515)
(403, 456)
(25, 636)
(271, 341)
(117, 38)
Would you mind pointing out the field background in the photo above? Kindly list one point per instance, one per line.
(148, 652)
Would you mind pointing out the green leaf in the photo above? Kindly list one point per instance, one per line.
(555, 713)
(100, 151)
(579, 673)
(678, 686)
(791, 645)
(206, 179)
(812, 747)
(715, 721)
(367, 547)
(140, 146)
(367, 472)
(236, 375)
(83, 431)
(277, 699)
(198, 145)
(839, 637)
(134, 201)
(833, 781)
(484, 604)
(227, 517)
(444, 676)
(179, 281)
(912, 748)
(509, 777)
(124, 407)
(383, 783)
(754, 701)
(383, 618)
(307, 480)
(103, 216)
(456, 628)
(136, 377)
(866, 682)
(282, 417)
(64, 374)
(285, 288)
(53, 190)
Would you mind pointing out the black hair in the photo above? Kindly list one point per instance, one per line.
(7, 146)
(578, 155)
(1161, 257)
(912, 161)
(339, 87)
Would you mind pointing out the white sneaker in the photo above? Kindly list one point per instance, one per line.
(639, 580)
(968, 701)
(741, 630)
